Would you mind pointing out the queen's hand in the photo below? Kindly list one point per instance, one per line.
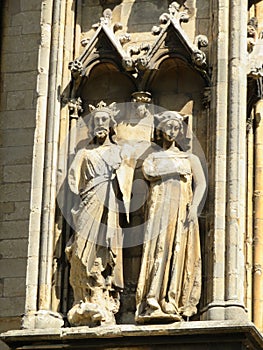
(192, 213)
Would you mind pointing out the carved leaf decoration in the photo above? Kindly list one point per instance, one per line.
(91, 108)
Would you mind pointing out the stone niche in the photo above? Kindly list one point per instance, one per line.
(124, 55)
(163, 70)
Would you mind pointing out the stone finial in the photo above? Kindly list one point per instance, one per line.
(106, 17)
(104, 20)
(176, 12)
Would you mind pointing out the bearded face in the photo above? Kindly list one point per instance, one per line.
(101, 124)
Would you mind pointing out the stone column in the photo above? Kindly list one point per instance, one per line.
(249, 219)
(236, 165)
(62, 231)
(50, 167)
(214, 310)
(38, 165)
(258, 220)
(42, 235)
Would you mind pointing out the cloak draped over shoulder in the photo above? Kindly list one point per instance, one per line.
(97, 231)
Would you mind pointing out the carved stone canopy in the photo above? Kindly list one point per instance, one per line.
(171, 41)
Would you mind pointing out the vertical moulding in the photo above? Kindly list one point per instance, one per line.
(258, 220)
(37, 167)
(62, 233)
(249, 217)
(215, 304)
(50, 168)
(41, 308)
(236, 165)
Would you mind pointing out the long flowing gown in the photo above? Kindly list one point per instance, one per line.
(171, 261)
(97, 231)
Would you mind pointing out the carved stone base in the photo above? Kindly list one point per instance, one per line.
(90, 314)
(42, 319)
(209, 335)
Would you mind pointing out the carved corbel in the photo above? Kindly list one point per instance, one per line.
(255, 73)
(142, 97)
(75, 107)
(140, 61)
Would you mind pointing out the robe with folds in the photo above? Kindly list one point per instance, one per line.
(92, 176)
(171, 259)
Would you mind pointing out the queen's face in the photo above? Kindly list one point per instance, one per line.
(101, 124)
(171, 129)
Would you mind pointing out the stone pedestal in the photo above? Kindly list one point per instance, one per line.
(216, 335)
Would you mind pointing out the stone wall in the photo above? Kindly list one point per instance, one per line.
(19, 57)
